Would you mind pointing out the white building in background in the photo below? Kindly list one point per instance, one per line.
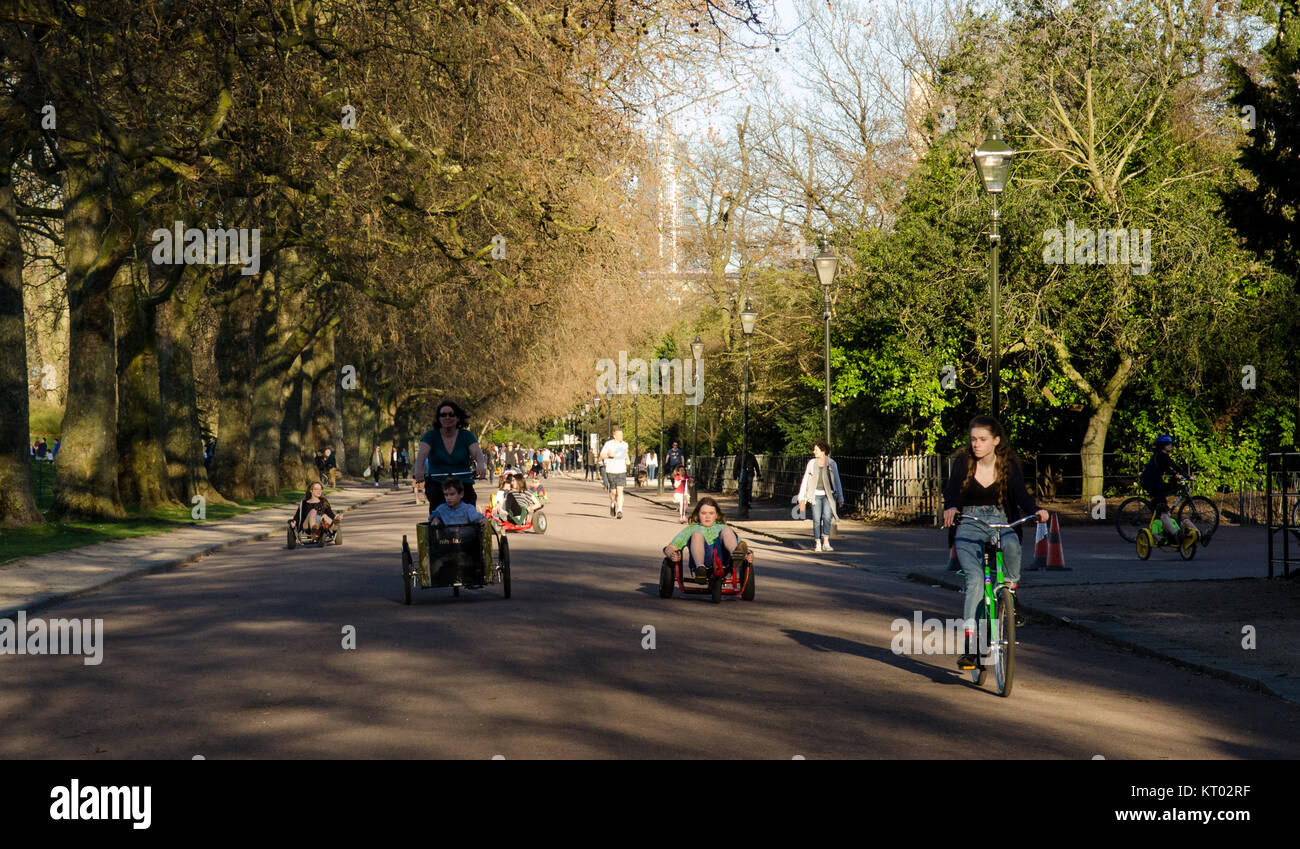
(668, 199)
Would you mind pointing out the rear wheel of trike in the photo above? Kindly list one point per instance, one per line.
(746, 576)
(539, 523)
(715, 588)
(293, 539)
(1144, 543)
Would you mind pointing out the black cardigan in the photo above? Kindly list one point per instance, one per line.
(1018, 502)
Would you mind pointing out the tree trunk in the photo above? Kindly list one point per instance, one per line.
(325, 415)
(17, 500)
(294, 470)
(181, 437)
(141, 462)
(86, 471)
(232, 464)
(1102, 406)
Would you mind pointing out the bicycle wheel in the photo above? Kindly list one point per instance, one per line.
(1204, 514)
(1004, 659)
(1132, 516)
(1187, 546)
(1295, 519)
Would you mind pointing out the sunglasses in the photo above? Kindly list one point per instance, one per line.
(447, 415)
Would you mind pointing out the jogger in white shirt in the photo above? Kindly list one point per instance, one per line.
(614, 455)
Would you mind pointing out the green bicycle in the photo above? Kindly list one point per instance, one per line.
(995, 636)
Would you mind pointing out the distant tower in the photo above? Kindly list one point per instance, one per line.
(920, 103)
(668, 201)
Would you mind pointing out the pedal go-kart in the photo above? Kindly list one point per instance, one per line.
(721, 579)
(1150, 538)
(298, 535)
(456, 556)
(534, 518)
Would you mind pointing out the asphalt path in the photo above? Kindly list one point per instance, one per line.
(241, 655)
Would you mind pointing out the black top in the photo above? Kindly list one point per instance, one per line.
(977, 494)
(1154, 478)
(1018, 501)
(321, 507)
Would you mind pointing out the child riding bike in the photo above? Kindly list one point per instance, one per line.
(1157, 487)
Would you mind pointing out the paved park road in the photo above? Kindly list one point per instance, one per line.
(240, 656)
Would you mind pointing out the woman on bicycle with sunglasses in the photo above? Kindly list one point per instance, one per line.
(449, 449)
(986, 482)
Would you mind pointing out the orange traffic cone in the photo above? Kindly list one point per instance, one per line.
(1040, 553)
(1055, 554)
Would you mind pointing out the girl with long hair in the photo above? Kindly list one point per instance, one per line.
(986, 482)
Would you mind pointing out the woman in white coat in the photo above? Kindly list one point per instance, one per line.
(821, 486)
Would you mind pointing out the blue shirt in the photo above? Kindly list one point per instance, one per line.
(463, 514)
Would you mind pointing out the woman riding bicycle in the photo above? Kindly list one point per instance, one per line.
(986, 482)
(447, 451)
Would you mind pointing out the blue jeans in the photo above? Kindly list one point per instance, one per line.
(970, 554)
(821, 516)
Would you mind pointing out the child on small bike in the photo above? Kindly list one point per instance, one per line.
(1157, 486)
(681, 492)
(707, 528)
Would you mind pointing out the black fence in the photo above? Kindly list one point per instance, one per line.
(902, 488)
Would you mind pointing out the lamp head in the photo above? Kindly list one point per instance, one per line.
(747, 318)
(993, 161)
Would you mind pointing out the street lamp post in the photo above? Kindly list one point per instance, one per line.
(609, 409)
(663, 378)
(697, 353)
(993, 161)
(635, 386)
(826, 263)
(747, 319)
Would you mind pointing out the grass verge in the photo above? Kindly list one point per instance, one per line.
(61, 536)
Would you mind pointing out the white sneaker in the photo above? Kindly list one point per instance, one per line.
(818, 546)
(826, 546)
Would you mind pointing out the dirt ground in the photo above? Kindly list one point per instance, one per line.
(1206, 616)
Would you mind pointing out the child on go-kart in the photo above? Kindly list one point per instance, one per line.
(707, 528)
(315, 512)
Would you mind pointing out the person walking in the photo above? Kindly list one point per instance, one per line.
(672, 460)
(376, 465)
(651, 465)
(821, 486)
(746, 473)
(330, 467)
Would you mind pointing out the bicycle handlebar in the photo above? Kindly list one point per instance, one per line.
(995, 525)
